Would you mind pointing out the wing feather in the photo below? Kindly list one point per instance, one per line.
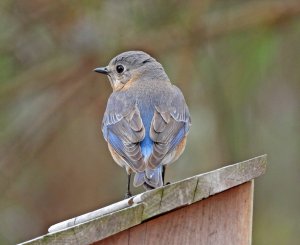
(170, 124)
(123, 129)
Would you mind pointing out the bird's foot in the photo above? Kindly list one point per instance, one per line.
(128, 194)
(167, 183)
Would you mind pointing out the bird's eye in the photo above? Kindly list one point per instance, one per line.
(120, 68)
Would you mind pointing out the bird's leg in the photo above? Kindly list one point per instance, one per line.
(163, 175)
(128, 193)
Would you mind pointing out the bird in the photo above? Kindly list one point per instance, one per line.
(146, 121)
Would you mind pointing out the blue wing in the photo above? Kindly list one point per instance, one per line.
(171, 123)
(123, 129)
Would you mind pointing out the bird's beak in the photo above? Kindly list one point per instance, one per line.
(102, 70)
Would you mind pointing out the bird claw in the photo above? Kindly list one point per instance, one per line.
(128, 195)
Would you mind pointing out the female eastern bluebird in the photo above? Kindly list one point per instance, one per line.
(146, 121)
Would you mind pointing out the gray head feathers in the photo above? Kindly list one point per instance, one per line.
(133, 58)
(133, 66)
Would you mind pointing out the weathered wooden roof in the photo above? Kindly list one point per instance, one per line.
(104, 222)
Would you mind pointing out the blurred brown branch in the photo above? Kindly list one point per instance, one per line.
(33, 133)
(248, 15)
(222, 22)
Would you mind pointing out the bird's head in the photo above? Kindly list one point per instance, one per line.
(131, 66)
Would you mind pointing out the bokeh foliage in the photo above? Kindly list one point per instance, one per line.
(237, 62)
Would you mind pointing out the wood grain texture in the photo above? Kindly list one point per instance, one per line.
(153, 203)
(91, 215)
(219, 180)
(201, 186)
(224, 218)
(94, 230)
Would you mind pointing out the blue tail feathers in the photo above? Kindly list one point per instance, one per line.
(150, 177)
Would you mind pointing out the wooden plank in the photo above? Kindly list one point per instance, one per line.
(94, 230)
(224, 178)
(225, 218)
(152, 203)
(92, 215)
(201, 186)
(137, 234)
(168, 197)
(121, 238)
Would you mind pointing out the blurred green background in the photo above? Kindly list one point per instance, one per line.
(237, 63)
